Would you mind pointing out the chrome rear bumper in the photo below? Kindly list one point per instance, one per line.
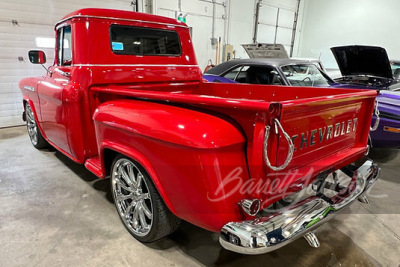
(266, 234)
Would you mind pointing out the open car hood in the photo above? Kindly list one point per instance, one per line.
(362, 60)
(262, 50)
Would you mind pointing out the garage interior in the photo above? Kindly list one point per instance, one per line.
(55, 212)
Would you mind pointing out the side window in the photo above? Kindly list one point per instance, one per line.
(241, 77)
(262, 75)
(237, 74)
(276, 79)
(232, 73)
(67, 52)
(255, 75)
(64, 52)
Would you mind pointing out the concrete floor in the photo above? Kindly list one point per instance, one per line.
(56, 213)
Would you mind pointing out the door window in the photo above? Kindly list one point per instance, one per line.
(64, 52)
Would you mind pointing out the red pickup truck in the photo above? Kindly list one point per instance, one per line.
(126, 98)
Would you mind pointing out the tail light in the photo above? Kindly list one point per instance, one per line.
(250, 206)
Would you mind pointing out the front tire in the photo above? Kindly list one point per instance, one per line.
(34, 133)
(139, 205)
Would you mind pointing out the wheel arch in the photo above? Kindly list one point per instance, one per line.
(25, 101)
(111, 150)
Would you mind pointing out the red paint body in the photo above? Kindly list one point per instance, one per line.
(188, 134)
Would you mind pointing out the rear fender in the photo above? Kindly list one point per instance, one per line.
(168, 123)
(187, 154)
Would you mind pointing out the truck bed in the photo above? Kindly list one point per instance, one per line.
(328, 126)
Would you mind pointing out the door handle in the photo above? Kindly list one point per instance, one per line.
(66, 74)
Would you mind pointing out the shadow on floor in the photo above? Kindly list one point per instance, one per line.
(336, 249)
(12, 132)
(382, 155)
(102, 185)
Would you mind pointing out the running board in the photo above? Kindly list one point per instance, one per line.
(93, 165)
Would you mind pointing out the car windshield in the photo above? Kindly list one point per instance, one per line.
(305, 75)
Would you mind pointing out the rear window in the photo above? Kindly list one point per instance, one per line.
(128, 40)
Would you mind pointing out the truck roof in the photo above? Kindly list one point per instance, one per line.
(120, 15)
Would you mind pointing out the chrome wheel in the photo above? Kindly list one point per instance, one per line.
(31, 124)
(132, 197)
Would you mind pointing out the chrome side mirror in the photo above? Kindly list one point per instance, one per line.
(37, 57)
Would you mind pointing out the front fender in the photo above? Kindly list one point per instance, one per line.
(187, 153)
(28, 88)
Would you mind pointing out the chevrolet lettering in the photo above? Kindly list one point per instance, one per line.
(320, 135)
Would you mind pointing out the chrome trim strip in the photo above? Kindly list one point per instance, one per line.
(133, 65)
(30, 88)
(123, 19)
(265, 234)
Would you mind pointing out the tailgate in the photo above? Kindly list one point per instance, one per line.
(327, 134)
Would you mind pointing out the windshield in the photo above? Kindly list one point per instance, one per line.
(305, 75)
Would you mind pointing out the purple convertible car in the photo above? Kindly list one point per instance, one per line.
(362, 67)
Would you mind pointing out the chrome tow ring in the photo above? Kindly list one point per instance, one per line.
(288, 139)
(378, 119)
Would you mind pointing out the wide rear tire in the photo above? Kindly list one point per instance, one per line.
(138, 202)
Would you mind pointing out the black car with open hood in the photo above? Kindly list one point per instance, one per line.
(364, 65)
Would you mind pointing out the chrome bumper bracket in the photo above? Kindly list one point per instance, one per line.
(312, 240)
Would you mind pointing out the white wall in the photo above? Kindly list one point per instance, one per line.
(327, 23)
(199, 17)
(234, 24)
(241, 25)
(276, 19)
